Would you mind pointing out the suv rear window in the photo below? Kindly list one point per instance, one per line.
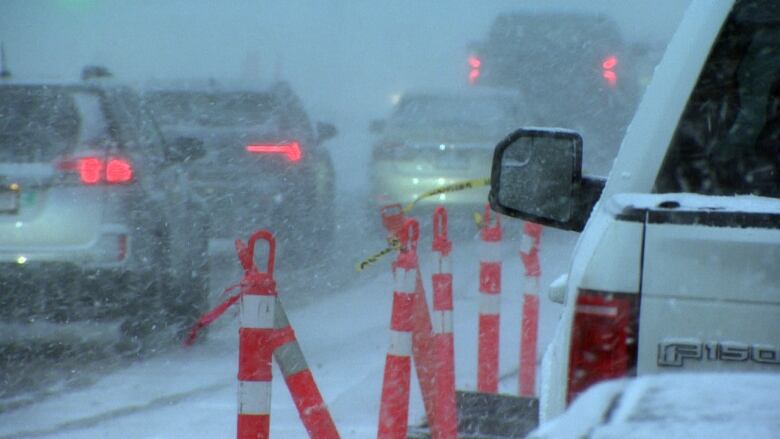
(37, 124)
(211, 109)
(480, 113)
(728, 139)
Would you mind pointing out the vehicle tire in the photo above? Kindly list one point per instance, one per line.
(190, 288)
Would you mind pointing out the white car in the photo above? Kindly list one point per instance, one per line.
(684, 406)
(676, 266)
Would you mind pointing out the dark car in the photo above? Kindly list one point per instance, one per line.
(575, 69)
(263, 160)
(100, 233)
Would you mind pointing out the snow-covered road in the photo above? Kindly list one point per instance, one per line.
(343, 331)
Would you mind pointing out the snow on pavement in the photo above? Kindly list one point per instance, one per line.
(192, 392)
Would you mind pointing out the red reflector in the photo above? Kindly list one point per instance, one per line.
(291, 150)
(603, 339)
(474, 62)
(118, 171)
(90, 170)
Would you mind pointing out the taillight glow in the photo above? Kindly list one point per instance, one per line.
(290, 150)
(611, 77)
(603, 339)
(118, 171)
(474, 72)
(94, 170)
(608, 65)
(90, 170)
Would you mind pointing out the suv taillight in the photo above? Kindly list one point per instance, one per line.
(96, 170)
(291, 150)
(603, 339)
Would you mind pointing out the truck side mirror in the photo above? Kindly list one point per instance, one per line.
(537, 176)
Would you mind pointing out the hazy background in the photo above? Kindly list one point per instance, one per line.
(346, 58)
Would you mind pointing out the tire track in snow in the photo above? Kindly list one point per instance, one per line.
(90, 421)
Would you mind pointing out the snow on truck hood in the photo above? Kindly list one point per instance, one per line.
(693, 202)
(685, 406)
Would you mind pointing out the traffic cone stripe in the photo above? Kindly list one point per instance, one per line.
(442, 291)
(400, 344)
(255, 349)
(404, 280)
(254, 397)
(402, 318)
(490, 251)
(257, 311)
(490, 277)
(253, 426)
(489, 303)
(441, 264)
(531, 286)
(526, 244)
(290, 359)
(442, 322)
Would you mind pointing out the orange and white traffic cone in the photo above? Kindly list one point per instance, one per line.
(256, 335)
(490, 303)
(394, 406)
(300, 382)
(445, 422)
(393, 219)
(529, 253)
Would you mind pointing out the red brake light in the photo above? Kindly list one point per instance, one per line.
(603, 339)
(474, 72)
(291, 150)
(94, 170)
(608, 65)
(90, 170)
(118, 171)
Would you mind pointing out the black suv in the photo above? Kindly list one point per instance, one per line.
(100, 233)
(263, 160)
(574, 69)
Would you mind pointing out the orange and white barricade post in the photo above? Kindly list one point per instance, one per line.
(394, 406)
(489, 303)
(265, 332)
(258, 299)
(445, 423)
(300, 382)
(393, 219)
(529, 254)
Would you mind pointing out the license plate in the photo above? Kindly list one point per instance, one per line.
(9, 201)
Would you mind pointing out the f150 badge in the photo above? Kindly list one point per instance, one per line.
(674, 353)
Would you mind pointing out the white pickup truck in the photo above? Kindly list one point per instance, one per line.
(678, 264)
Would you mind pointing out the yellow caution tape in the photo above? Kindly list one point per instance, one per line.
(478, 219)
(395, 244)
(454, 187)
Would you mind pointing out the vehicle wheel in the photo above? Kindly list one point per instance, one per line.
(141, 324)
(189, 298)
